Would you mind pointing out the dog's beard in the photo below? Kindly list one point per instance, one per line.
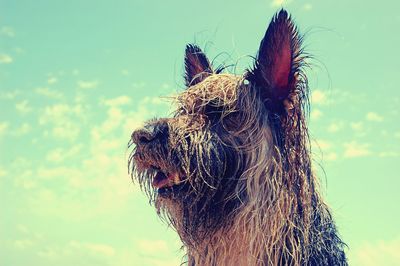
(200, 193)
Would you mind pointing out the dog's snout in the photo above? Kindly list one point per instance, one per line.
(150, 133)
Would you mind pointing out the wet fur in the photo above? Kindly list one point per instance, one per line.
(248, 196)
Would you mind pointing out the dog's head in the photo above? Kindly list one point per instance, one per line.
(227, 134)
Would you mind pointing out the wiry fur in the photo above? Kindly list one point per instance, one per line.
(247, 195)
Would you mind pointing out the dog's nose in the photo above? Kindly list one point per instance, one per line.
(150, 133)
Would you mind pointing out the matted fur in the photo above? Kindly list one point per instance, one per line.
(246, 194)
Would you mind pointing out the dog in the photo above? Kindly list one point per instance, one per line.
(231, 169)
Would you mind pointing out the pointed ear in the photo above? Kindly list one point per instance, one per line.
(277, 69)
(197, 66)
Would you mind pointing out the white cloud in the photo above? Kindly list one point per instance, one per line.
(66, 120)
(22, 243)
(371, 116)
(385, 154)
(118, 101)
(324, 145)
(330, 156)
(357, 126)
(280, 3)
(94, 249)
(148, 246)
(138, 85)
(316, 114)
(307, 7)
(24, 129)
(52, 80)
(5, 59)
(50, 93)
(23, 107)
(3, 172)
(9, 95)
(61, 155)
(318, 97)
(125, 72)
(335, 127)
(88, 84)
(7, 31)
(377, 253)
(3, 127)
(354, 149)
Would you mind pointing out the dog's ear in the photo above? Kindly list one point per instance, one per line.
(277, 69)
(197, 66)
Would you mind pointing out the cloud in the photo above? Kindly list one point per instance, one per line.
(24, 129)
(374, 117)
(307, 7)
(138, 85)
(61, 155)
(7, 31)
(335, 127)
(324, 145)
(64, 119)
(318, 97)
(3, 127)
(5, 59)
(354, 149)
(382, 252)
(9, 95)
(74, 252)
(52, 80)
(118, 101)
(23, 107)
(3, 172)
(125, 72)
(88, 84)
(95, 249)
(279, 3)
(385, 154)
(357, 126)
(23, 243)
(49, 93)
(316, 114)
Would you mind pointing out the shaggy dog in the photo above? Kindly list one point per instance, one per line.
(231, 169)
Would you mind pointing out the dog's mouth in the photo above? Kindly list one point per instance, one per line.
(164, 179)
(166, 182)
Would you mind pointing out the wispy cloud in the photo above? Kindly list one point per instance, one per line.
(24, 129)
(316, 114)
(52, 80)
(355, 149)
(318, 97)
(88, 84)
(64, 120)
(5, 59)
(3, 127)
(7, 31)
(279, 3)
(382, 252)
(357, 126)
(61, 155)
(118, 101)
(307, 7)
(335, 126)
(371, 116)
(23, 107)
(50, 93)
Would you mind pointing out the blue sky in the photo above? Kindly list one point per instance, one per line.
(77, 77)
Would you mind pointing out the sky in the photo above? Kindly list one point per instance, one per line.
(77, 77)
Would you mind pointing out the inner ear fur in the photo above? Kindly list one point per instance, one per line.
(197, 65)
(277, 71)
